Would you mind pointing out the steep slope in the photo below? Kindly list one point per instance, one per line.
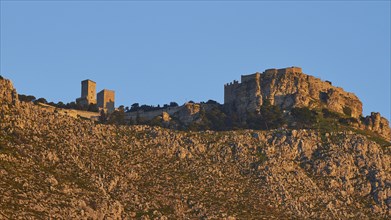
(54, 166)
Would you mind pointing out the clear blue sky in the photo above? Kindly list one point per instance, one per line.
(160, 51)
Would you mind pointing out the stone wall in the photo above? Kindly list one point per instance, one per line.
(151, 114)
(70, 112)
(229, 90)
(186, 113)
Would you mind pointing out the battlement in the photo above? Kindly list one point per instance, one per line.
(293, 69)
(88, 92)
(235, 82)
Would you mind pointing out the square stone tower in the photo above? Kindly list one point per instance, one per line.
(106, 100)
(88, 92)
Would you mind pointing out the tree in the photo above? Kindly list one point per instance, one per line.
(173, 104)
(347, 111)
(60, 105)
(26, 98)
(217, 118)
(41, 100)
(117, 117)
(93, 108)
(304, 117)
(102, 116)
(269, 117)
(134, 107)
(211, 102)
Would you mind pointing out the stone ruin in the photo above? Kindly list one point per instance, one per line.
(104, 99)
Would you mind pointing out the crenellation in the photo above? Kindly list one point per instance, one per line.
(88, 93)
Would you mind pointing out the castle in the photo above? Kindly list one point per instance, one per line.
(287, 88)
(104, 99)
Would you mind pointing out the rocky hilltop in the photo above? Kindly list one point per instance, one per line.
(56, 166)
(290, 88)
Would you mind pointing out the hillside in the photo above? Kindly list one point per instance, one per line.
(56, 166)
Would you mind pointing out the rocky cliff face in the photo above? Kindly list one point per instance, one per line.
(289, 88)
(54, 166)
(188, 112)
(8, 94)
(375, 122)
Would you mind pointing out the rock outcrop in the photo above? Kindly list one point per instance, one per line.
(288, 88)
(188, 112)
(375, 122)
(55, 166)
(8, 94)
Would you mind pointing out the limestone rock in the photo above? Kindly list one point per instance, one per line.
(54, 166)
(188, 113)
(288, 88)
(166, 117)
(378, 124)
(8, 94)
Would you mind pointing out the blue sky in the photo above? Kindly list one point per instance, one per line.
(155, 52)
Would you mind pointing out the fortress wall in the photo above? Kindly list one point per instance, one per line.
(229, 91)
(151, 114)
(270, 71)
(71, 112)
(246, 78)
(289, 70)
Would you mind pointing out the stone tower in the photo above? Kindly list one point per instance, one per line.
(106, 100)
(88, 92)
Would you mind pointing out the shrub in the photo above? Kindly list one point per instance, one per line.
(156, 121)
(217, 118)
(269, 117)
(323, 96)
(173, 104)
(41, 100)
(348, 121)
(26, 98)
(117, 117)
(347, 111)
(329, 114)
(93, 108)
(304, 116)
